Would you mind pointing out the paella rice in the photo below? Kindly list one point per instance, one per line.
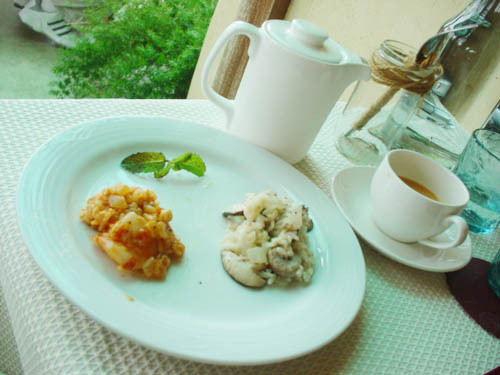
(134, 231)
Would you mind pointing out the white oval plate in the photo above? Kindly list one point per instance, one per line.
(351, 191)
(198, 312)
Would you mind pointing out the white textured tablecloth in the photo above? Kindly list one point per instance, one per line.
(409, 322)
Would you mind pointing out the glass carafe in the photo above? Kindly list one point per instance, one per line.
(398, 85)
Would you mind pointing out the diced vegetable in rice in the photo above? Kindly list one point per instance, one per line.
(134, 231)
(267, 242)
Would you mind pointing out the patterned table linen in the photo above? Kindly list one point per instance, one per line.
(408, 323)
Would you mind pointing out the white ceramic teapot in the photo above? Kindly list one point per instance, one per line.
(294, 76)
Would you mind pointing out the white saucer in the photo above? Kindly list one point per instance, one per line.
(351, 190)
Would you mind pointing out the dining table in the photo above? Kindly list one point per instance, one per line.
(408, 323)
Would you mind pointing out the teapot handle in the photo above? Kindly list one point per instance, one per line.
(236, 28)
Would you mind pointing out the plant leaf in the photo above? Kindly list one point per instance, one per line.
(144, 162)
(184, 157)
(190, 162)
(163, 172)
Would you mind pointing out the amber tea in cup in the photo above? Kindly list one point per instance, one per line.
(419, 188)
(404, 200)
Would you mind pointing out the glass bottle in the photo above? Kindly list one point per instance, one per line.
(430, 130)
(469, 62)
(390, 114)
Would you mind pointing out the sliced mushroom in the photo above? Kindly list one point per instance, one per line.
(306, 219)
(234, 210)
(229, 214)
(282, 263)
(241, 270)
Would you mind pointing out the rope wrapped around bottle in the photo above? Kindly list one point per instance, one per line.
(410, 77)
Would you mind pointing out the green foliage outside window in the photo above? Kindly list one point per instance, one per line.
(135, 49)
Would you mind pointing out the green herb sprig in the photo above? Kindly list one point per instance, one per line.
(157, 163)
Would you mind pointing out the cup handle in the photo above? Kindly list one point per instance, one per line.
(462, 229)
(236, 28)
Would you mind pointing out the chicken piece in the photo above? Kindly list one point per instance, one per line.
(128, 260)
(118, 252)
(156, 268)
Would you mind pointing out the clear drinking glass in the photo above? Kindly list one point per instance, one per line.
(479, 168)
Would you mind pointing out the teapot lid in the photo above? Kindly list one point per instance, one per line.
(305, 39)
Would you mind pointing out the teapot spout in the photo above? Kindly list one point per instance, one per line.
(356, 70)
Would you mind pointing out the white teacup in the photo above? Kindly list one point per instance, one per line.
(408, 215)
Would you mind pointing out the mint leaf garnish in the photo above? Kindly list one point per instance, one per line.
(190, 162)
(144, 162)
(163, 172)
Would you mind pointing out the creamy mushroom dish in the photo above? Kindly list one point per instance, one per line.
(266, 242)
